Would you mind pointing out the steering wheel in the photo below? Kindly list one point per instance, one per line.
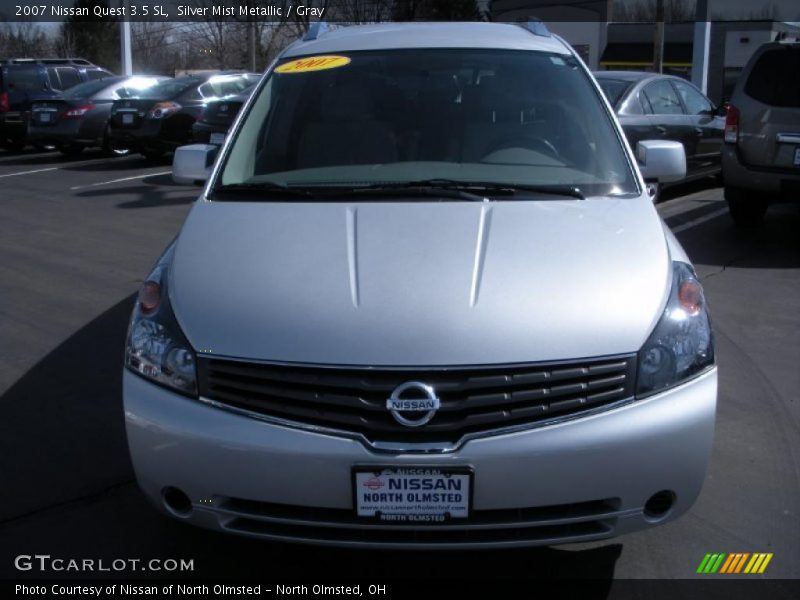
(529, 142)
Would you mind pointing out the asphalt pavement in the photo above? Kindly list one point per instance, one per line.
(78, 235)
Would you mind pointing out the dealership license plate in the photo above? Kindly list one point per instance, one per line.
(796, 157)
(127, 119)
(418, 495)
(217, 139)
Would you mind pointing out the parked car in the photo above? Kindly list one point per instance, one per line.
(424, 301)
(654, 106)
(160, 119)
(216, 118)
(78, 118)
(23, 81)
(761, 156)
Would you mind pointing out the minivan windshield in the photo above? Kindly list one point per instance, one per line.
(389, 117)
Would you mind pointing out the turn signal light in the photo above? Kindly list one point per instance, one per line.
(149, 297)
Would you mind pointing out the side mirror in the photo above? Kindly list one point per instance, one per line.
(661, 160)
(192, 164)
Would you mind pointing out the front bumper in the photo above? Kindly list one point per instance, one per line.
(580, 480)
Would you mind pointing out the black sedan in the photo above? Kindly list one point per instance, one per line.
(160, 119)
(78, 118)
(213, 123)
(651, 106)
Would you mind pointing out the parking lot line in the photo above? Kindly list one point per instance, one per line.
(699, 220)
(140, 176)
(29, 172)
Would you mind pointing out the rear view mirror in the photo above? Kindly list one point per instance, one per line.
(192, 164)
(661, 160)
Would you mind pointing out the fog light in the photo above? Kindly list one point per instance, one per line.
(659, 505)
(176, 502)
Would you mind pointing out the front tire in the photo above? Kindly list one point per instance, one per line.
(747, 209)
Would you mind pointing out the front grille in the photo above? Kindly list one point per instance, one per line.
(543, 524)
(473, 399)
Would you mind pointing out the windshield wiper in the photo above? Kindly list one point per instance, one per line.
(265, 187)
(485, 187)
(570, 191)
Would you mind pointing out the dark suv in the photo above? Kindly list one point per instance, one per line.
(761, 157)
(24, 80)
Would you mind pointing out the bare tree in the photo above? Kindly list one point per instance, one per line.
(23, 39)
(675, 11)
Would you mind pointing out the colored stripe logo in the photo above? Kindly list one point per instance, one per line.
(737, 562)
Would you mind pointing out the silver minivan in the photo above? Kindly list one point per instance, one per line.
(423, 301)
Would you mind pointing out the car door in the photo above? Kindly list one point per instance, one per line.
(708, 127)
(668, 118)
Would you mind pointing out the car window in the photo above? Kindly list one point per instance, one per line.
(26, 79)
(774, 77)
(97, 74)
(224, 86)
(87, 89)
(52, 77)
(662, 97)
(693, 100)
(68, 77)
(403, 115)
(134, 87)
(614, 89)
(169, 89)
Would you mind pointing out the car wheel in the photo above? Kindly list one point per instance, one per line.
(654, 191)
(15, 145)
(70, 149)
(109, 149)
(746, 208)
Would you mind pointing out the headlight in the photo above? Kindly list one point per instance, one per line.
(155, 347)
(682, 343)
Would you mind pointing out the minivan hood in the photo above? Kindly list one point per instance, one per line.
(420, 283)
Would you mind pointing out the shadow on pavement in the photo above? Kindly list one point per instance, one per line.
(151, 194)
(775, 245)
(61, 434)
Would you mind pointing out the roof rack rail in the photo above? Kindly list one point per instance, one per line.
(316, 30)
(536, 27)
(48, 61)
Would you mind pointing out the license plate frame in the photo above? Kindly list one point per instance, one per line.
(217, 139)
(402, 512)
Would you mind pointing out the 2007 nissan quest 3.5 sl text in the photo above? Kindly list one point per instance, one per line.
(423, 301)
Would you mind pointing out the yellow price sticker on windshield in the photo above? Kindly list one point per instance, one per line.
(313, 63)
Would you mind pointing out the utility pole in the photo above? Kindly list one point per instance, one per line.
(658, 42)
(126, 60)
(700, 46)
(251, 40)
